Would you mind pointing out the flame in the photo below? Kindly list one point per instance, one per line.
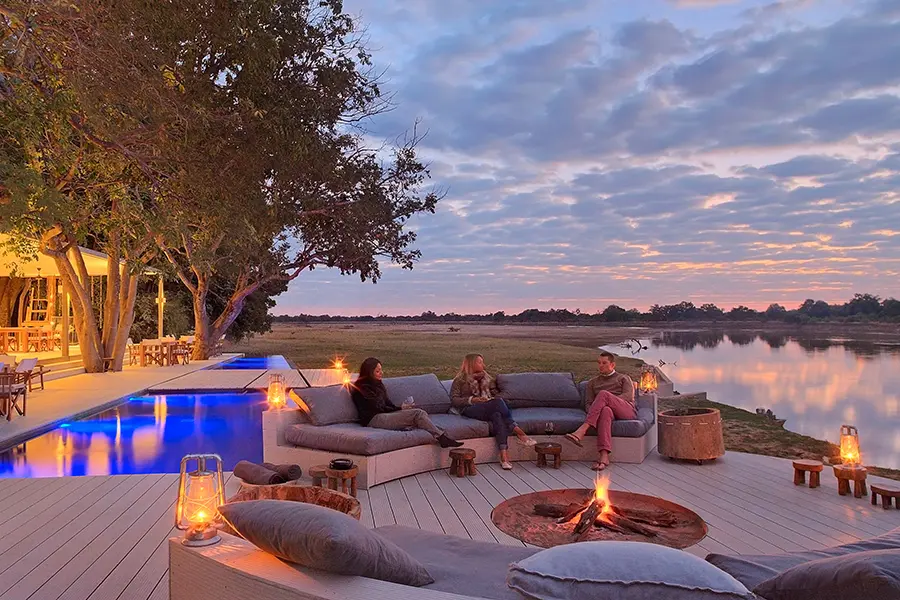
(338, 364)
(649, 382)
(346, 378)
(601, 494)
(199, 518)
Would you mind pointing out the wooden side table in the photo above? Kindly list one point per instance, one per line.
(318, 474)
(545, 449)
(462, 462)
(847, 474)
(344, 476)
(887, 493)
(802, 467)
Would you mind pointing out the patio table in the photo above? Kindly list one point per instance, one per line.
(166, 348)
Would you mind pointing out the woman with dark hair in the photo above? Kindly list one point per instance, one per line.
(376, 409)
(474, 394)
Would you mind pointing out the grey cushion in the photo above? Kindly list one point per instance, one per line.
(328, 405)
(859, 576)
(353, 438)
(630, 428)
(526, 390)
(646, 408)
(448, 384)
(753, 569)
(459, 566)
(461, 428)
(324, 539)
(621, 570)
(534, 420)
(426, 390)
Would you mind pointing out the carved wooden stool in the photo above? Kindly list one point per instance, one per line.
(462, 462)
(847, 474)
(887, 492)
(343, 476)
(545, 449)
(318, 474)
(801, 467)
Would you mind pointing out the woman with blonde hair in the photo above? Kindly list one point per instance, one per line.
(474, 394)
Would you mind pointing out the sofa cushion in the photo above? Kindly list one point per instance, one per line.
(426, 390)
(353, 438)
(324, 539)
(328, 405)
(527, 390)
(622, 570)
(629, 428)
(753, 569)
(646, 407)
(533, 421)
(448, 384)
(459, 566)
(859, 576)
(461, 428)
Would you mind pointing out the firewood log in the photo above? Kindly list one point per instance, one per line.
(586, 520)
(647, 517)
(602, 523)
(626, 523)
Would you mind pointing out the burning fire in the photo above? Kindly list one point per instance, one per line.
(601, 494)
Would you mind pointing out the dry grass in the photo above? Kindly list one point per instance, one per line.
(411, 349)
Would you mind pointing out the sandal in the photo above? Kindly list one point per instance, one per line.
(506, 465)
(599, 466)
(571, 437)
(527, 442)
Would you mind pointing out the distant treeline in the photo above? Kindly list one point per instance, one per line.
(863, 307)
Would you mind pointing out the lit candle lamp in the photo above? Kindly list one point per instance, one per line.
(850, 446)
(276, 393)
(200, 493)
(649, 381)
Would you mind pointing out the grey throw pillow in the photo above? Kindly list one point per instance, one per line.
(322, 538)
(859, 576)
(328, 405)
(621, 570)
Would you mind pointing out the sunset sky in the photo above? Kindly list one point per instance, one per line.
(635, 152)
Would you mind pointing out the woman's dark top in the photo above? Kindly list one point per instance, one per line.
(370, 397)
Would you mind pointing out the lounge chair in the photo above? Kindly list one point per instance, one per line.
(32, 370)
(12, 389)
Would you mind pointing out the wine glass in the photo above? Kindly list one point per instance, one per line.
(410, 402)
(549, 427)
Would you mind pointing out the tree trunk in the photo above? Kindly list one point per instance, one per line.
(111, 304)
(204, 343)
(85, 323)
(127, 296)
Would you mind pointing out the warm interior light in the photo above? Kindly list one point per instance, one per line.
(649, 382)
(276, 392)
(200, 493)
(849, 445)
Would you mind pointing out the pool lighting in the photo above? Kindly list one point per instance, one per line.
(276, 392)
(200, 493)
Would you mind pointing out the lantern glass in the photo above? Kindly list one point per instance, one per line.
(850, 445)
(276, 393)
(649, 381)
(200, 493)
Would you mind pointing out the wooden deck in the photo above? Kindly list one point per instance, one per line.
(104, 538)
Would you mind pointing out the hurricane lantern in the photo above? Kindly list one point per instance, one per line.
(850, 445)
(276, 393)
(649, 381)
(200, 493)
(347, 380)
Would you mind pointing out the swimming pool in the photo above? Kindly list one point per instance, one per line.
(255, 362)
(147, 434)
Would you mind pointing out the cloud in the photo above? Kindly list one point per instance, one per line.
(599, 154)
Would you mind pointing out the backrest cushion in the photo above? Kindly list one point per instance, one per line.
(328, 405)
(529, 390)
(322, 538)
(860, 576)
(426, 390)
(591, 570)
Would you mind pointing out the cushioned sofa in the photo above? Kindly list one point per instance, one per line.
(545, 405)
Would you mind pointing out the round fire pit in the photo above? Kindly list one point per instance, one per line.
(516, 517)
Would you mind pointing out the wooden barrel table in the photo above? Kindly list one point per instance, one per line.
(691, 434)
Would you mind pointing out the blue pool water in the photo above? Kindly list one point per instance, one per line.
(147, 434)
(255, 362)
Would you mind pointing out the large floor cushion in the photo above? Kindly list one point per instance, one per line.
(461, 428)
(753, 569)
(426, 390)
(526, 390)
(353, 438)
(460, 566)
(534, 420)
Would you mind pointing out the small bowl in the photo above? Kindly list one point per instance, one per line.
(341, 464)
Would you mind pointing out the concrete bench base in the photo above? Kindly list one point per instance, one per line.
(381, 468)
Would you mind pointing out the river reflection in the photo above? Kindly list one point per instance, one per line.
(816, 384)
(147, 434)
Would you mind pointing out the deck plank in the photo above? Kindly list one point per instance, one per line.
(365, 516)
(425, 515)
(381, 508)
(465, 511)
(449, 520)
(400, 505)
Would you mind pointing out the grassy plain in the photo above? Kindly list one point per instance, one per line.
(411, 349)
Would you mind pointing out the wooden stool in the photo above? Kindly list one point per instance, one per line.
(845, 475)
(342, 475)
(462, 462)
(545, 449)
(801, 467)
(887, 492)
(318, 474)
